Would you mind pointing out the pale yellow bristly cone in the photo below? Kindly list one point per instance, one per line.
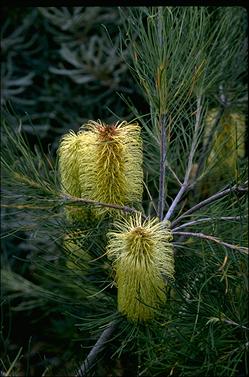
(111, 163)
(142, 257)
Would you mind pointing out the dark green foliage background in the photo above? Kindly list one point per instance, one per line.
(60, 68)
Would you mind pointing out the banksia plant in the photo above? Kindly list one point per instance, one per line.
(112, 171)
(143, 260)
(116, 279)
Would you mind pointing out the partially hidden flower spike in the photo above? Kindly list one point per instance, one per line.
(143, 259)
(69, 162)
(111, 168)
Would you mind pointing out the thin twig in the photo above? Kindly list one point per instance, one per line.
(208, 219)
(97, 348)
(185, 184)
(242, 249)
(161, 198)
(68, 199)
(210, 200)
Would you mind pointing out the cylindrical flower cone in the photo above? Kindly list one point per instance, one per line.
(111, 170)
(142, 259)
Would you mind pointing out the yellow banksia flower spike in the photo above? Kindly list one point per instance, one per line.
(111, 170)
(142, 259)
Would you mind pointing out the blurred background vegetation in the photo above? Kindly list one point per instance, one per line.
(62, 66)
(60, 69)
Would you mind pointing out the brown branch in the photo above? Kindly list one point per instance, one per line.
(242, 249)
(68, 199)
(210, 200)
(25, 206)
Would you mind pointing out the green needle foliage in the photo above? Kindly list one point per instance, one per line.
(89, 285)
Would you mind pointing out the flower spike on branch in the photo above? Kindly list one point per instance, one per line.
(103, 163)
(142, 256)
(111, 171)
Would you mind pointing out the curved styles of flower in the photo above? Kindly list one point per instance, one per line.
(110, 166)
(103, 163)
(142, 258)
